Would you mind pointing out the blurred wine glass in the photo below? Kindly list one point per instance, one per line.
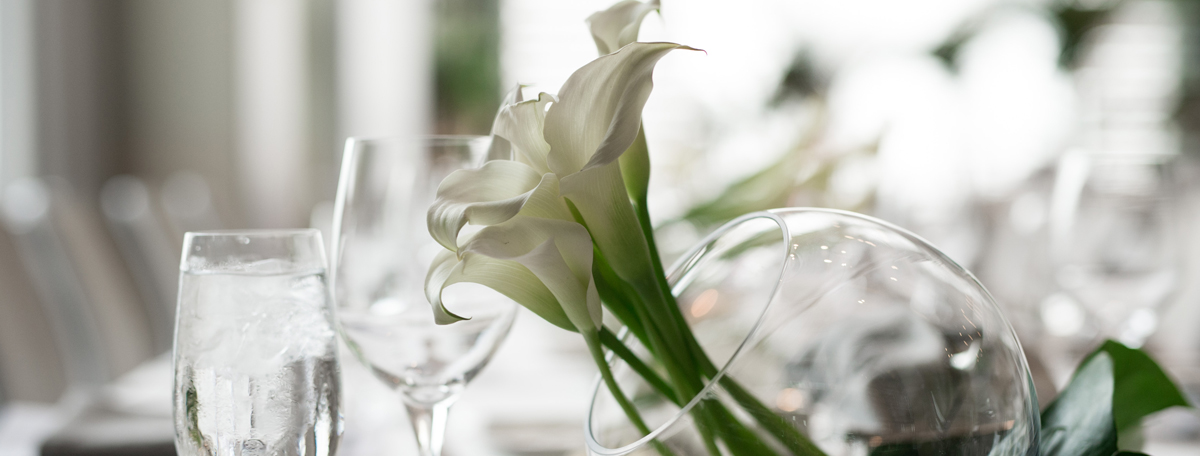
(381, 252)
(1115, 245)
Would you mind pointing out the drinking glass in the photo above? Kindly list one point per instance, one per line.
(1115, 244)
(382, 250)
(256, 367)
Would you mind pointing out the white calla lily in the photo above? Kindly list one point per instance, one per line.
(520, 125)
(599, 108)
(618, 25)
(563, 214)
(558, 252)
(488, 195)
(509, 278)
(597, 117)
(531, 247)
(500, 149)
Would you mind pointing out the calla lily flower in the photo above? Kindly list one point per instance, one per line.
(500, 149)
(618, 25)
(563, 165)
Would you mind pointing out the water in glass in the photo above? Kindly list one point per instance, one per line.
(256, 369)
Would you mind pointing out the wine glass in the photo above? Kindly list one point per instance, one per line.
(381, 252)
(1115, 244)
(256, 367)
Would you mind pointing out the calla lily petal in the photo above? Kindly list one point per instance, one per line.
(551, 263)
(509, 278)
(618, 25)
(545, 201)
(444, 265)
(599, 108)
(600, 196)
(521, 125)
(487, 195)
(500, 149)
(558, 252)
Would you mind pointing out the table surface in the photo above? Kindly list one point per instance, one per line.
(531, 399)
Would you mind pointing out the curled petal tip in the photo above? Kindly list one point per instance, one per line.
(447, 317)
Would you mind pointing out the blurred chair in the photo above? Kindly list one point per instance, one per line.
(149, 251)
(93, 309)
(31, 362)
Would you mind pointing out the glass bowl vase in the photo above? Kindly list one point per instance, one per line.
(851, 335)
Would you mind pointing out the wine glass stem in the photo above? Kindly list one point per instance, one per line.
(429, 423)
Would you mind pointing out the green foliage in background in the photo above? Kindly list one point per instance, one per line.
(466, 65)
(1073, 18)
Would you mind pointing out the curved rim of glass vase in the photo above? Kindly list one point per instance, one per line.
(685, 261)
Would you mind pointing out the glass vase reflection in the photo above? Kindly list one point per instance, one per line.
(858, 334)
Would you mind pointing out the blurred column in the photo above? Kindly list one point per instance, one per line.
(384, 65)
(79, 121)
(180, 83)
(16, 91)
(271, 91)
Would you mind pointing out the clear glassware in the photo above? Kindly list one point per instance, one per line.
(851, 333)
(256, 366)
(1115, 243)
(382, 250)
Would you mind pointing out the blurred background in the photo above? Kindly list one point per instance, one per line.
(1049, 146)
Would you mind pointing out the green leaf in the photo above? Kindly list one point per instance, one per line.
(1112, 390)
(768, 188)
(618, 25)
(1140, 385)
(771, 187)
(1079, 421)
(635, 168)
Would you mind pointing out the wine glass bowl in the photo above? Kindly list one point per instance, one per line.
(382, 250)
(426, 363)
(1115, 243)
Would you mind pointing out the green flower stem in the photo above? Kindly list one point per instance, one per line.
(776, 425)
(738, 438)
(613, 343)
(783, 431)
(673, 343)
(643, 216)
(712, 415)
(631, 412)
(707, 426)
(615, 298)
(610, 340)
(682, 382)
